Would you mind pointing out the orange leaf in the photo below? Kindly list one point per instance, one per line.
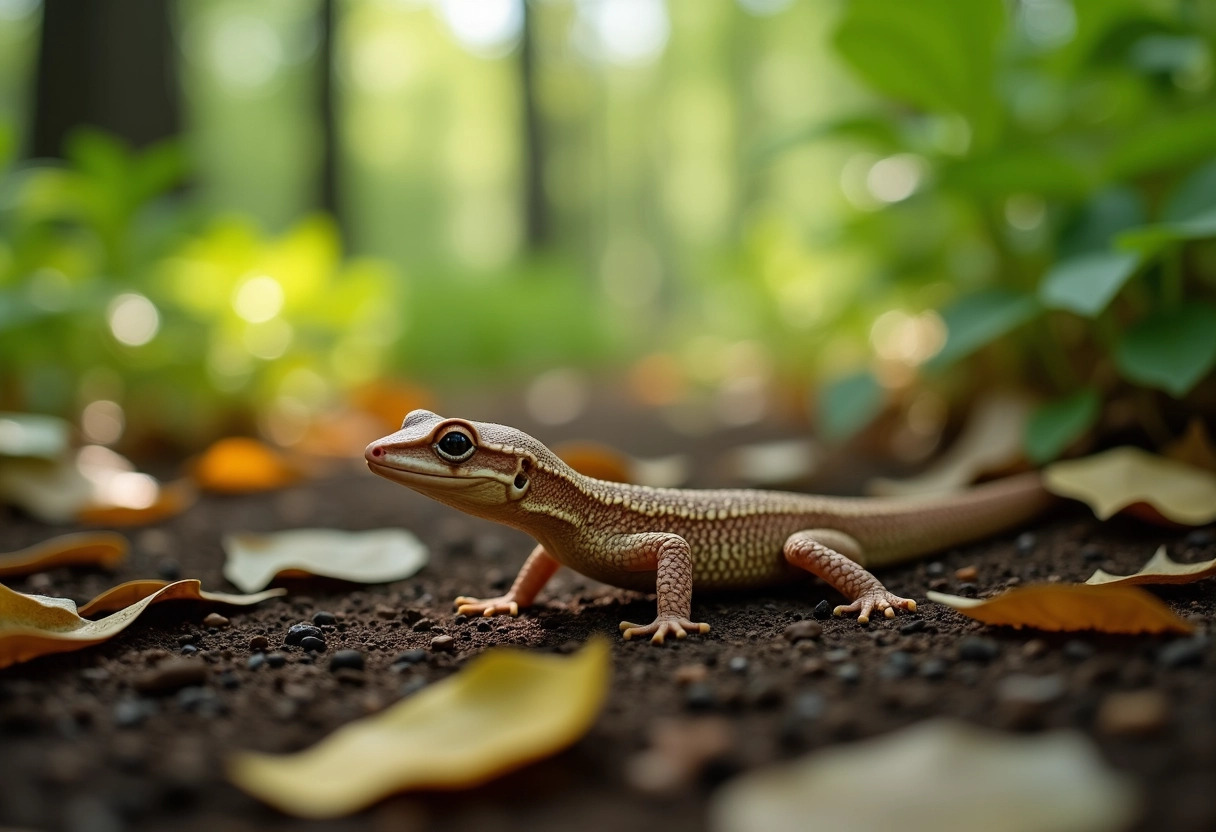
(1160, 569)
(1055, 607)
(593, 459)
(239, 465)
(390, 401)
(34, 625)
(83, 548)
(169, 500)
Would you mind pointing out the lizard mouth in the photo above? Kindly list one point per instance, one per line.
(406, 477)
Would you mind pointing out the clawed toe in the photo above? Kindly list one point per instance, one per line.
(881, 600)
(490, 607)
(661, 627)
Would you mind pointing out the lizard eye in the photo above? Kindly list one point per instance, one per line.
(455, 446)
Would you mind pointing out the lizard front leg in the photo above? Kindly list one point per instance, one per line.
(836, 558)
(536, 572)
(671, 558)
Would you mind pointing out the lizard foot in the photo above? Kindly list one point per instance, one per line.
(661, 627)
(504, 604)
(876, 599)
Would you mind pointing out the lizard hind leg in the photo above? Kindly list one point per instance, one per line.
(836, 558)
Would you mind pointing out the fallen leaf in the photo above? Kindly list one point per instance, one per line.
(1152, 487)
(131, 592)
(603, 462)
(1160, 569)
(35, 625)
(936, 776)
(81, 549)
(240, 465)
(33, 435)
(1195, 447)
(389, 402)
(376, 556)
(1055, 607)
(167, 500)
(505, 709)
(991, 441)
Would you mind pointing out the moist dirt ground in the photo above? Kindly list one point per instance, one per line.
(81, 749)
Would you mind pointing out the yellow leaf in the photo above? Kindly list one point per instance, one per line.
(376, 556)
(167, 500)
(83, 548)
(1159, 570)
(35, 625)
(1107, 609)
(239, 465)
(1152, 487)
(506, 709)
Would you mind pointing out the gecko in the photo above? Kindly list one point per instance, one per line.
(671, 541)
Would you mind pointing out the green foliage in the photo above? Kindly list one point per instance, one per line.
(848, 404)
(1067, 149)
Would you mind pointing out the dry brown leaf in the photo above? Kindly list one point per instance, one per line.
(240, 465)
(1160, 569)
(936, 776)
(1195, 447)
(35, 625)
(1068, 607)
(104, 549)
(169, 500)
(375, 556)
(1151, 487)
(991, 441)
(504, 710)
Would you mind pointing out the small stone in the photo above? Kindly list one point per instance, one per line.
(690, 674)
(1140, 713)
(214, 619)
(255, 661)
(443, 644)
(737, 664)
(410, 657)
(935, 569)
(803, 630)
(898, 665)
(130, 713)
(276, 659)
(188, 638)
(934, 669)
(969, 574)
(978, 649)
(849, 673)
(822, 611)
(313, 644)
(1077, 650)
(1091, 553)
(322, 618)
(1034, 648)
(1183, 652)
(837, 655)
(171, 675)
(808, 705)
(200, 700)
(913, 626)
(298, 632)
(259, 643)
(422, 625)
(699, 696)
(1025, 543)
(1201, 538)
(230, 680)
(386, 612)
(968, 590)
(189, 649)
(1020, 689)
(350, 659)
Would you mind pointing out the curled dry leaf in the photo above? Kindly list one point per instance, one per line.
(991, 441)
(506, 709)
(603, 462)
(368, 557)
(240, 465)
(1152, 487)
(1055, 607)
(35, 625)
(1160, 569)
(104, 549)
(936, 776)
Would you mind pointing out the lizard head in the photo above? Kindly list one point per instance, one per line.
(481, 468)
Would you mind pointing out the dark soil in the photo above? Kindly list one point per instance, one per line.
(83, 749)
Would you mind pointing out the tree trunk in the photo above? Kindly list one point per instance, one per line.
(536, 206)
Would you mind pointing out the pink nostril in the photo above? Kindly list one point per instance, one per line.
(377, 451)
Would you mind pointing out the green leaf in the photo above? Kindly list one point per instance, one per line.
(979, 319)
(157, 169)
(1194, 197)
(879, 133)
(1164, 144)
(1056, 425)
(1170, 350)
(848, 405)
(1105, 215)
(1087, 283)
(8, 144)
(1018, 172)
(939, 55)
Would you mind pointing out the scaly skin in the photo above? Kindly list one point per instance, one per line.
(674, 540)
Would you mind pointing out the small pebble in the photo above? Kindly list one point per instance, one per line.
(1183, 652)
(1141, 713)
(935, 569)
(1201, 538)
(803, 630)
(423, 624)
(255, 661)
(189, 649)
(849, 673)
(276, 659)
(312, 644)
(386, 612)
(1077, 650)
(298, 632)
(840, 654)
(410, 657)
(230, 680)
(214, 619)
(822, 611)
(690, 674)
(1021, 689)
(737, 664)
(1025, 543)
(322, 618)
(807, 706)
(898, 665)
(967, 573)
(350, 659)
(1091, 553)
(968, 590)
(699, 697)
(978, 649)
(188, 638)
(934, 669)
(914, 626)
(129, 713)
(171, 675)
(259, 643)
(1034, 648)
(443, 644)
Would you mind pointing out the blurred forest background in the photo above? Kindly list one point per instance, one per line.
(215, 212)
